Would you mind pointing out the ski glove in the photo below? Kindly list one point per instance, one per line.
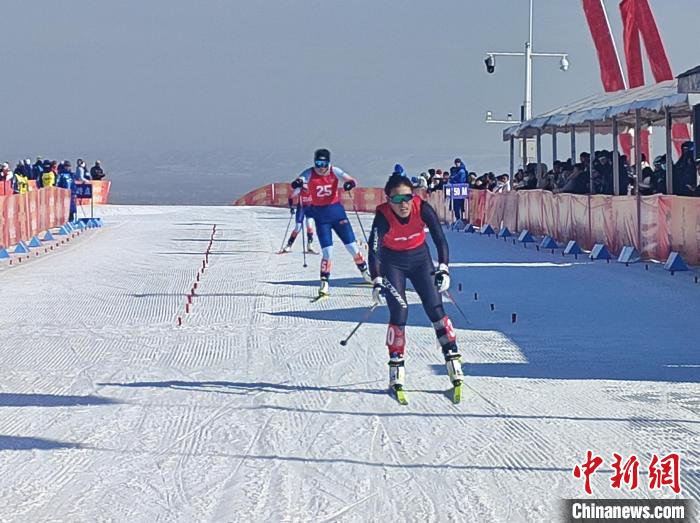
(298, 183)
(349, 185)
(291, 205)
(378, 291)
(442, 278)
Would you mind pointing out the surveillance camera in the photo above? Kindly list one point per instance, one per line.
(564, 63)
(490, 62)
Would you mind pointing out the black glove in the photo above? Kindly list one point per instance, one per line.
(349, 185)
(298, 183)
(291, 205)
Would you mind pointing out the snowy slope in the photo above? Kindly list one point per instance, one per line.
(252, 411)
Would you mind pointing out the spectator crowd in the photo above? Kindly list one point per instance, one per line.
(46, 173)
(575, 177)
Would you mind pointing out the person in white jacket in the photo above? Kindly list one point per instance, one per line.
(81, 172)
(503, 183)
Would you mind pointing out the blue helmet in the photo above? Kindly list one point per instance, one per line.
(398, 169)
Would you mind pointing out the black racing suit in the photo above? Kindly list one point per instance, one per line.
(416, 265)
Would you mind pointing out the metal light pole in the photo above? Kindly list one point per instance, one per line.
(526, 109)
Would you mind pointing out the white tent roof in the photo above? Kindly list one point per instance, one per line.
(599, 109)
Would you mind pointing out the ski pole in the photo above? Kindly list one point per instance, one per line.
(363, 320)
(451, 298)
(303, 235)
(354, 208)
(286, 231)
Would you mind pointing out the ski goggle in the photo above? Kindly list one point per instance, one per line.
(321, 163)
(401, 198)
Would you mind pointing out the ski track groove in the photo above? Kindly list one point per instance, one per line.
(228, 484)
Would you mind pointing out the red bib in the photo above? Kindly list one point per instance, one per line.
(403, 237)
(323, 190)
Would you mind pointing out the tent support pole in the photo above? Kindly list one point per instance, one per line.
(669, 152)
(616, 157)
(638, 173)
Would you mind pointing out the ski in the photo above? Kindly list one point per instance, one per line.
(399, 394)
(283, 252)
(319, 298)
(360, 284)
(457, 393)
(311, 251)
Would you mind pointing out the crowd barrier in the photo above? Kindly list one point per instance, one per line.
(23, 216)
(100, 191)
(365, 199)
(668, 223)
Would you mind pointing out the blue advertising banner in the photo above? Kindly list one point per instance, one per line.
(457, 191)
(83, 190)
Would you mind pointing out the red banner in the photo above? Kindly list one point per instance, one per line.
(610, 67)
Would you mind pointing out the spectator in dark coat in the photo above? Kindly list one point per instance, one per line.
(684, 170)
(96, 172)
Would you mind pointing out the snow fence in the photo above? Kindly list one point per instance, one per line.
(668, 223)
(23, 216)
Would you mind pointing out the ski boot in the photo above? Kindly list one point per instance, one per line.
(454, 369)
(287, 248)
(397, 377)
(453, 363)
(324, 290)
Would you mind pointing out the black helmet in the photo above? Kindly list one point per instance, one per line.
(322, 155)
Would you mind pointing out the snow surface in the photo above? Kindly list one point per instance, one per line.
(252, 411)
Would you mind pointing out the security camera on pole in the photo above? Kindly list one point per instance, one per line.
(526, 108)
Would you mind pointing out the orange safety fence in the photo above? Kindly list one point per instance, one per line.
(23, 216)
(100, 192)
(668, 223)
(366, 199)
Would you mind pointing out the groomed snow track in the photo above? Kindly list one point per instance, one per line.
(252, 411)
